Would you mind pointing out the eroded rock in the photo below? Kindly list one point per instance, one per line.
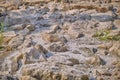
(75, 32)
(95, 60)
(27, 78)
(50, 37)
(8, 36)
(115, 49)
(15, 42)
(57, 47)
(30, 27)
(18, 27)
(61, 52)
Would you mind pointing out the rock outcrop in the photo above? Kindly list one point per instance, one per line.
(60, 40)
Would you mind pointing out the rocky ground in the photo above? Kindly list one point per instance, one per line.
(67, 40)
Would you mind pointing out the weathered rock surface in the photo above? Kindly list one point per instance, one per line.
(55, 40)
(75, 32)
(18, 27)
(50, 37)
(57, 47)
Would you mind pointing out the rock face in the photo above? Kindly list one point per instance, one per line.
(18, 27)
(50, 37)
(75, 32)
(95, 60)
(60, 40)
(57, 47)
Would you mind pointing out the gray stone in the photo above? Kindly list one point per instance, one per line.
(102, 17)
(18, 27)
(85, 16)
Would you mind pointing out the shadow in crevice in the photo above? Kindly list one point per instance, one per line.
(49, 54)
(114, 27)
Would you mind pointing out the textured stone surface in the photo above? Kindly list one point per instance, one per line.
(56, 40)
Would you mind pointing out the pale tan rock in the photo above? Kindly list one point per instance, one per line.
(75, 32)
(100, 78)
(54, 28)
(95, 60)
(42, 57)
(105, 25)
(115, 32)
(11, 64)
(14, 66)
(34, 1)
(50, 37)
(105, 45)
(117, 23)
(64, 77)
(27, 78)
(114, 50)
(52, 7)
(8, 36)
(66, 25)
